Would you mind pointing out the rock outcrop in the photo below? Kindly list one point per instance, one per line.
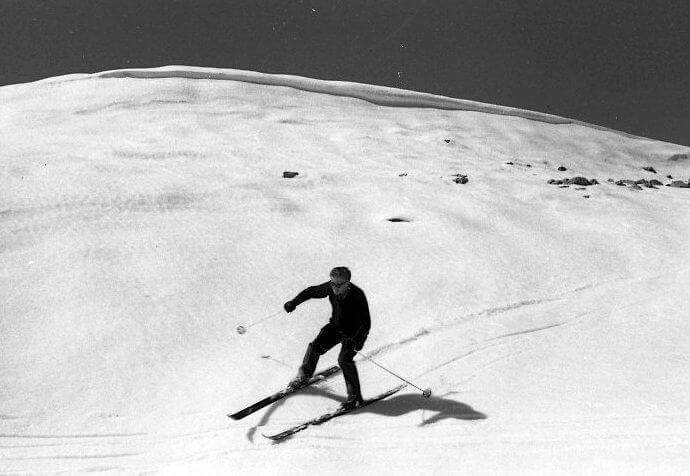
(581, 181)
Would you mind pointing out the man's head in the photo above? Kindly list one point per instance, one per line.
(340, 280)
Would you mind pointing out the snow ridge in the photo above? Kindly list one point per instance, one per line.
(379, 95)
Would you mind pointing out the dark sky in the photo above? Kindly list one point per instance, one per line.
(624, 64)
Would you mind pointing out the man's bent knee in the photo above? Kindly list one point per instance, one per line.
(346, 359)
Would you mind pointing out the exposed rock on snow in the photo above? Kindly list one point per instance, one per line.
(287, 174)
(460, 178)
(654, 183)
(582, 181)
(624, 182)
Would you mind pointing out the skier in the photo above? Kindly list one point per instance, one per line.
(349, 325)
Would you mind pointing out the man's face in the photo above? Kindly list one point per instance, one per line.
(339, 286)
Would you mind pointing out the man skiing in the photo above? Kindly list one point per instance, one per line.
(349, 325)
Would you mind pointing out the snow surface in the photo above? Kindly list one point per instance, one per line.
(144, 216)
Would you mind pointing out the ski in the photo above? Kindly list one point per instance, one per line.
(329, 416)
(318, 377)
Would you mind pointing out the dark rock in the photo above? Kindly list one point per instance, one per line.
(669, 176)
(611, 180)
(635, 187)
(447, 141)
(461, 179)
(528, 165)
(564, 186)
(649, 169)
(578, 181)
(620, 183)
(655, 182)
(287, 174)
(594, 182)
(402, 174)
(679, 184)
(562, 169)
(676, 157)
(586, 196)
(509, 163)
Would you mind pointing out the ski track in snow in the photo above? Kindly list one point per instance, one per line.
(428, 332)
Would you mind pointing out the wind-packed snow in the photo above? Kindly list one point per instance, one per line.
(144, 216)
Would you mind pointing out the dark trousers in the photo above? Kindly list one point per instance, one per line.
(329, 337)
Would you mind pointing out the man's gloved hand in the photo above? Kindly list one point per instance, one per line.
(289, 306)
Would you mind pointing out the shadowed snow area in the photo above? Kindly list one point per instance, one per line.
(144, 216)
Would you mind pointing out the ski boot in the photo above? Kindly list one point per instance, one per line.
(297, 382)
(351, 403)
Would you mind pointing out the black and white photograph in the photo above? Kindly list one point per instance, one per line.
(344, 237)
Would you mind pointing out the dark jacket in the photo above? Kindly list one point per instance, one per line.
(350, 314)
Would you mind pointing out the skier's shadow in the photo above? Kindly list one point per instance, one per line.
(393, 406)
(442, 408)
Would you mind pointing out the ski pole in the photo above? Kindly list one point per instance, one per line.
(243, 329)
(425, 392)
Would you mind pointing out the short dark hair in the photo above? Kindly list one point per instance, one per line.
(341, 272)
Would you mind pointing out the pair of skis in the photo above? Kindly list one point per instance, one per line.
(319, 377)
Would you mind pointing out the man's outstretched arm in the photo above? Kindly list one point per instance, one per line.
(319, 291)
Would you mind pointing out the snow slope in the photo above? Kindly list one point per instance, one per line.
(144, 216)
